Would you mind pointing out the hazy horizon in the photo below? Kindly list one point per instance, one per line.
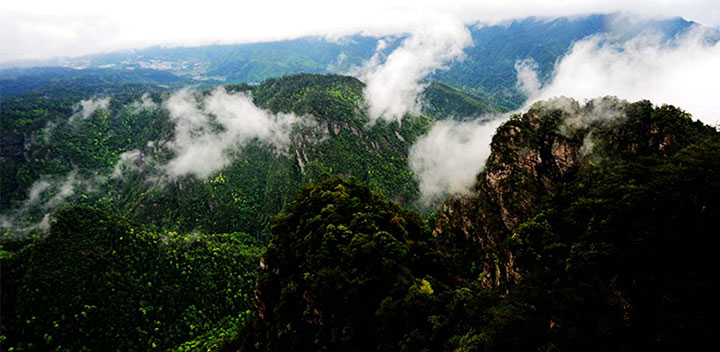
(41, 30)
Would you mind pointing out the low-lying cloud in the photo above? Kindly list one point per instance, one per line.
(145, 103)
(684, 72)
(208, 129)
(87, 107)
(393, 85)
(447, 159)
(46, 194)
(527, 78)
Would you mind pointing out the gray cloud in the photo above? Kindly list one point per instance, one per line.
(145, 103)
(130, 160)
(46, 194)
(595, 112)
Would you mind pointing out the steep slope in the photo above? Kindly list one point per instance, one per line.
(442, 101)
(342, 272)
(588, 230)
(336, 140)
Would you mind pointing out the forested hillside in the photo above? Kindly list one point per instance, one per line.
(14, 81)
(583, 232)
(109, 148)
(96, 281)
(489, 67)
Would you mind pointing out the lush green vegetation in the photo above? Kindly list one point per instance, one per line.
(346, 270)
(42, 142)
(489, 66)
(588, 229)
(607, 256)
(22, 80)
(97, 281)
(442, 101)
(602, 253)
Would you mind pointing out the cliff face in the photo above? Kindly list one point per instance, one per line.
(538, 153)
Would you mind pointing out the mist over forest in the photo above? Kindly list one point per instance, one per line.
(443, 177)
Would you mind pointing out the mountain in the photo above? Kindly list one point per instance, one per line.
(161, 270)
(580, 218)
(16, 81)
(587, 229)
(254, 62)
(442, 101)
(50, 141)
(487, 69)
(164, 199)
(585, 232)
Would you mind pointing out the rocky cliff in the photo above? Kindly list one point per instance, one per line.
(536, 153)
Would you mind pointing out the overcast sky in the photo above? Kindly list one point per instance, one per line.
(32, 29)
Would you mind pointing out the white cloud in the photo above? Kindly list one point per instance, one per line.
(683, 72)
(527, 77)
(392, 86)
(145, 103)
(224, 122)
(447, 159)
(64, 189)
(37, 189)
(46, 194)
(129, 160)
(89, 106)
(44, 28)
(208, 129)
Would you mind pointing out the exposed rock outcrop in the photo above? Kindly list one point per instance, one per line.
(532, 154)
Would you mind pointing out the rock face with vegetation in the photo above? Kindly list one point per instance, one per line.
(584, 214)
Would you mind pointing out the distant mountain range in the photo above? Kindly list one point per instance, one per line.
(487, 69)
